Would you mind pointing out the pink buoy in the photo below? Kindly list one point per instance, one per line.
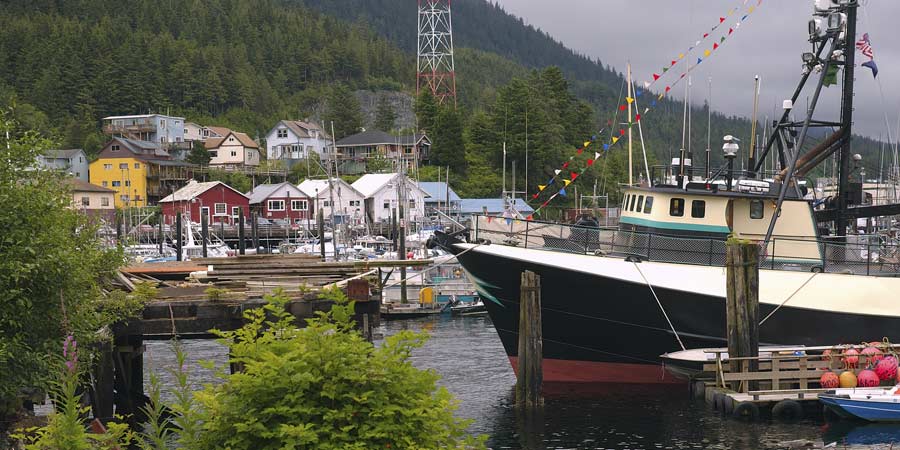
(851, 357)
(867, 378)
(872, 354)
(829, 380)
(826, 355)
(886, 369)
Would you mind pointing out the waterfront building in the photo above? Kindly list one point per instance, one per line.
(355, 152)
(219, 202)
(380, 191)
(440, 198)
(93, 200)
(292, 141)
(231, 149)
(73, 162)
(348, 200)
(281, 201)
(167, 131)
(141, 172)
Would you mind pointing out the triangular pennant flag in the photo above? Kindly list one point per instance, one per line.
(586, 143)
(530, 217)
(637, 117)
(673, 62)
(715, 45)
(557, 171)
(699, 60)
(615, 139)
(630, 100)
(489, 219)
(580, 151)
(605, 146)
(646, 109)
(646, 85)
(668, 88)
(638, 93)
(723, 39)
(655, 77)
(706, 52)
(730, 30)
(509, 221)
(665, 69)
(574, 176)
(745, 17)
(594, 137)
(622, 107)
(566, 165)
(680, 55)
(562, 192)
(545, 203)
(721, 19)
(690, 48)
(590, 162)
(696, 43)
(750, 10)
(567, 182)
(653, 103)
(550, 181)
(541, 187)
(705, 35)
(597, 154)
(571, 157)
(621, 132)
(534, 197)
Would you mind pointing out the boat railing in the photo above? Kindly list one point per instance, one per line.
(851, 255)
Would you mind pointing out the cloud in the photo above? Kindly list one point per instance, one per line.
(649, 33)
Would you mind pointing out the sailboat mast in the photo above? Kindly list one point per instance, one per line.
(751, 159)
(708, 125)
(630, 162)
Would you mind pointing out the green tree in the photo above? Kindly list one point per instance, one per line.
(236, 180)
(342, 109)
(426, 111)
(364, 397)
(52, 266)
(385, 116)
(447, 147)
(199, 155)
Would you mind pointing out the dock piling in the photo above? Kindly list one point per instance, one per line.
(178, 238)
(320, 227)
(742, 306)
(242, 245)
(204, 232)
(531, 352)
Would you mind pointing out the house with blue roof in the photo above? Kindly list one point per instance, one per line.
(438, 197)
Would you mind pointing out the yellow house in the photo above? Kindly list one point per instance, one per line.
(140, 172)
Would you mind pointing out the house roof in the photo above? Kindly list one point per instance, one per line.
(78, 185)
(62, 154)
(141, 148)
(437, 190)
(216, 142)
(169, 162)
(263, 191)
(194, 189)
(221, 131)
(371, 183)
(141, 116)
(494, 206)
(378, 137)
(302, 129)
(310, 187)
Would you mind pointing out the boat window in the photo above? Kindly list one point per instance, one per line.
(698, 209)
(625, 202)
(640, 203)
(756, 209)
(631, 205)
(648, 205)
(676, 207)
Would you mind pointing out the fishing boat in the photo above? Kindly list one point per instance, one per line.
(871, 404)
(468, 308)
(614, 299)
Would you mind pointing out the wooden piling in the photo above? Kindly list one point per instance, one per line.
(531, 352)
(204, 232)
(254, 229)
(320, 227)
(742, 305)
(178, 237)
(242, 245)
(160, 237)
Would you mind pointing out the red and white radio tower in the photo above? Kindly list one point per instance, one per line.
(434, 64)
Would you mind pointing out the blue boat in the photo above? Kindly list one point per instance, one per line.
(872, 404)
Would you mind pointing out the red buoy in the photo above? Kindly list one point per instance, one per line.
(867, 378)
(851, 357)
(872, 354)
(886, 369)
(829, 380)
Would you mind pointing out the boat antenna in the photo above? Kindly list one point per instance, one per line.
(708, 125)
(643, 148)
(684, 127)
(752, 155)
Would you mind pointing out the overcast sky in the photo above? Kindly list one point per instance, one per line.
(649, 33)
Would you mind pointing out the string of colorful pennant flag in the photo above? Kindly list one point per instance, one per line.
(615, 137)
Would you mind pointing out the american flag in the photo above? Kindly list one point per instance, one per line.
(866, 48)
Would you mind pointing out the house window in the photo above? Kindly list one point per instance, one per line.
(137, 165)
(298, 205)
(114, 148)
(756, 209)
(104, 201)
(162, 123)
(282, 133)
(186, 131)
(80, 160)
(235, 212)
(233, 153)
(276, 205)
(104, 184)
(648, 205)
(85, 201)
(220, 209)
(676, 207)
(213, 153)
(77, 174)
(354, 202)
(107, 167)
(408, 150)
(640, 203)
(698, 209)
(387, 205)
(127, 182)
(231, 139)
(412, 204)
(116, 183)
(326, 203)
(123, 165)
(124, 197)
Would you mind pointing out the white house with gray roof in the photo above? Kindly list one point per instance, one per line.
(349, 201)
(293, 140)
(381, 193)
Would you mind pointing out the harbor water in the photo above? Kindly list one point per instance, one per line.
(472, 363)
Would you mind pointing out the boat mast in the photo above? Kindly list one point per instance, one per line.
(708, 126)
(684, 129)
(847, 120)
(630, 163)
(751, 158)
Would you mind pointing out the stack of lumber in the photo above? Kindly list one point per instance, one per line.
(274, 270)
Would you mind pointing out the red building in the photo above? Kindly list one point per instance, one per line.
(281, 201)
(216, 200)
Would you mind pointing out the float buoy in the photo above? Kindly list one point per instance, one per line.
(829, 380)
(872, 354)
(847, 379)
(826, 355)
(867, 378)
(886, 369)
(851, 358)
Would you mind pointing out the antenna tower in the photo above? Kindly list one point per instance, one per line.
(435, 69)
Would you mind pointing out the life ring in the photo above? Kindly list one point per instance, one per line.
(746, 410)
(788, 410)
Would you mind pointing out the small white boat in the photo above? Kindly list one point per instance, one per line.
(872, 404)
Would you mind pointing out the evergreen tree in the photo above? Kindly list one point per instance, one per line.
(385, 116)
(199, 155)
(342, 108)
(426, 111)
(447, 147)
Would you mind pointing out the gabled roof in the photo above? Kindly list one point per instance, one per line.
(263, 191)
(301, 129)
(216, 142)
(78, 185)
(494, 205)
(221, 131)
(310, 187)
(378, 137)
(194, 189)
(62, 154)
(141, 116)
(141, 149)
(437, 190)
(371, 183)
